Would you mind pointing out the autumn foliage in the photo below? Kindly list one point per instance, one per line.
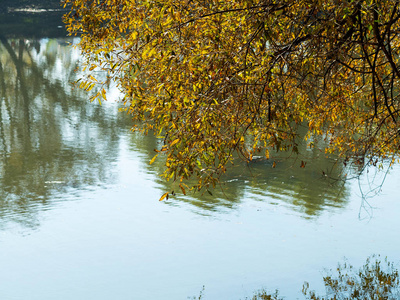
(216, 79)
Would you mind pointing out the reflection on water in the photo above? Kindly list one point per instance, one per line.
(50, 139)
(308, 190)
(376, 279)
(53, 142)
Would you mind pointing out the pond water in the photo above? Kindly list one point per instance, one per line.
(80, 216)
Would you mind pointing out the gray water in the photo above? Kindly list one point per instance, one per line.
(80, 216)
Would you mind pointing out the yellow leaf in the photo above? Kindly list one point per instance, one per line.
(174, 142)
(164, 196)
(153, 159)
(92, 78)
(103, 93)
(182, 188)
(267, 153)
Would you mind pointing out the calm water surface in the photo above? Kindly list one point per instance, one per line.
(80, 216)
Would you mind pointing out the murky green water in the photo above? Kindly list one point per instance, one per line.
(80, 217)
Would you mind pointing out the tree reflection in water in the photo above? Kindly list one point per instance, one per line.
(51, 141)
(54, 141)
(375, 280)
(307, 191)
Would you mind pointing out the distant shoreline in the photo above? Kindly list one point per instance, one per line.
(32, 19)
(26, 5)
(36, 10)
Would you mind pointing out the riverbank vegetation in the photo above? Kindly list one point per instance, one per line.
(219, 79)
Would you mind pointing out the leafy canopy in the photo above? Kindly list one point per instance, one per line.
(215, 79)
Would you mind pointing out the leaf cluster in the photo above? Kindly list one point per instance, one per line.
(219, 79)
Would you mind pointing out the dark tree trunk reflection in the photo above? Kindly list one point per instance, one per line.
(51, 141)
